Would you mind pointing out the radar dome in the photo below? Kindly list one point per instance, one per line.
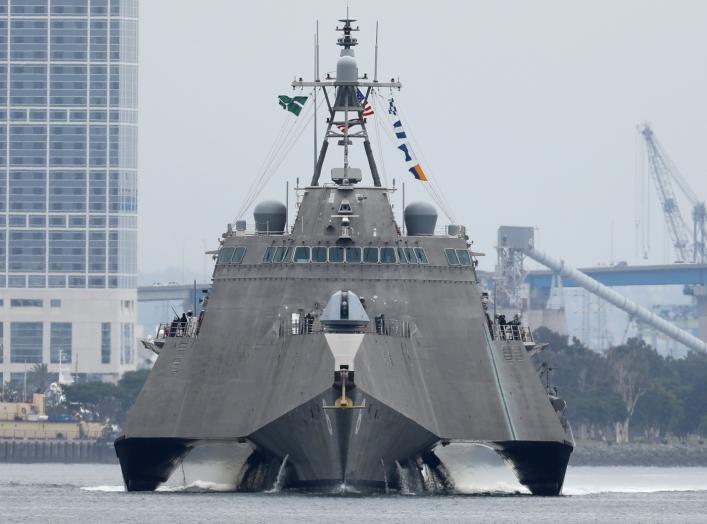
(346, 69)
(420, 219)
(270, 217)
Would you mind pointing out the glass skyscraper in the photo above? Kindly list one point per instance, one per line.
(68, 185)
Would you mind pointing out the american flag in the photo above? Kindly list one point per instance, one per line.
(354, 122)
(367, 109)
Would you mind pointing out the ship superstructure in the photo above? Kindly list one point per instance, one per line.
(343, 347)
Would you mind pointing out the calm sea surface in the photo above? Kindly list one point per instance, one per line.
(83, 493)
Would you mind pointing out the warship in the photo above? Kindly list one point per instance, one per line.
(345, 350)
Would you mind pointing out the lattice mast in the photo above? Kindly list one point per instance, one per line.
(346, 104)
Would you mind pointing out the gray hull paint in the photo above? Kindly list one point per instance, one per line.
(247, 377)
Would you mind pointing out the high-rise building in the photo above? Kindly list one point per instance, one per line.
(68, 186)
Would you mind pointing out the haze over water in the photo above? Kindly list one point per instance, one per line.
(91, 493)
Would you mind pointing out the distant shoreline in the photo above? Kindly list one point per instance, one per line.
(593, 453)
(586, 453)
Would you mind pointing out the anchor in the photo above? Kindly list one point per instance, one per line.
(344, 402)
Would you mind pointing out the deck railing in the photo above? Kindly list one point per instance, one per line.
(391, 328)
(177, 328)
(513, 332)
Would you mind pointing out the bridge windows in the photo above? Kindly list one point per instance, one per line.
(457, 257)
(231, 255)
(452, 258)
(353, 255)
(224, 257)
(276, 254)
(279, 254)
(269, 252)
(336, 254)
(319, 254)
(341, 254)
(464, 257)
(421, 255)
(388, 255)
(238, 255)
(370, 255)
(302, 254)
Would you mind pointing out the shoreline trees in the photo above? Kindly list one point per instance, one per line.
(630, 393)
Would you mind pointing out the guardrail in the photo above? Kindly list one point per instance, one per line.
(456, 231)
(391, 328)
(513, 332)
(177, 328)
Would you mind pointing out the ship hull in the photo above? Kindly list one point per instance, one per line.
(320, 447)
(328, 446)
(424, 371)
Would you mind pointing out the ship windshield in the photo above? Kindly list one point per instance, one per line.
(288, 254)
(421, 255)
(279, 254)
(401, 256)
(269, 252)
(452, 258)
(238, 255)
(410, 254)
(301, 254)
(319, 254)
(336, 254)
(464, 258)
(388, 255)
(353, 254)
(224, 257)
(370, 255)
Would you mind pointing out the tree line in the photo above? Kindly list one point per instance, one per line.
(628, 393)
(101, 401)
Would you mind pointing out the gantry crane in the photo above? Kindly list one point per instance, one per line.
(664, 172)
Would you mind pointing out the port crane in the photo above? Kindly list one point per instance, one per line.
(688, 248)
(516, 243)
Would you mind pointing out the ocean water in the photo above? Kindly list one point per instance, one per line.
(85, 493)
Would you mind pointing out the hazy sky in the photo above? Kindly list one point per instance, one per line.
(525, 111)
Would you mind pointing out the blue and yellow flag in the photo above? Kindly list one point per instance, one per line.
(405, 146)
(417, 172)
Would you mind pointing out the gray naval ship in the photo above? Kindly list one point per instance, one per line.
(342, 350)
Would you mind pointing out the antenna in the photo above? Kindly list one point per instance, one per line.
(375, 61)
(316, 79)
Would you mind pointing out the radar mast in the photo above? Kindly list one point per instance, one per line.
(348, 100)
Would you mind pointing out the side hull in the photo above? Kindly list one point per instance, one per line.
(147, 462)
(540, 466)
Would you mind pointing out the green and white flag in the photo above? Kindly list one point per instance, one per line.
(294, 104)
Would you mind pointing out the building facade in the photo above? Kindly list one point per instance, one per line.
(68, 186)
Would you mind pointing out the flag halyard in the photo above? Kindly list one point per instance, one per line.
(413, 165)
